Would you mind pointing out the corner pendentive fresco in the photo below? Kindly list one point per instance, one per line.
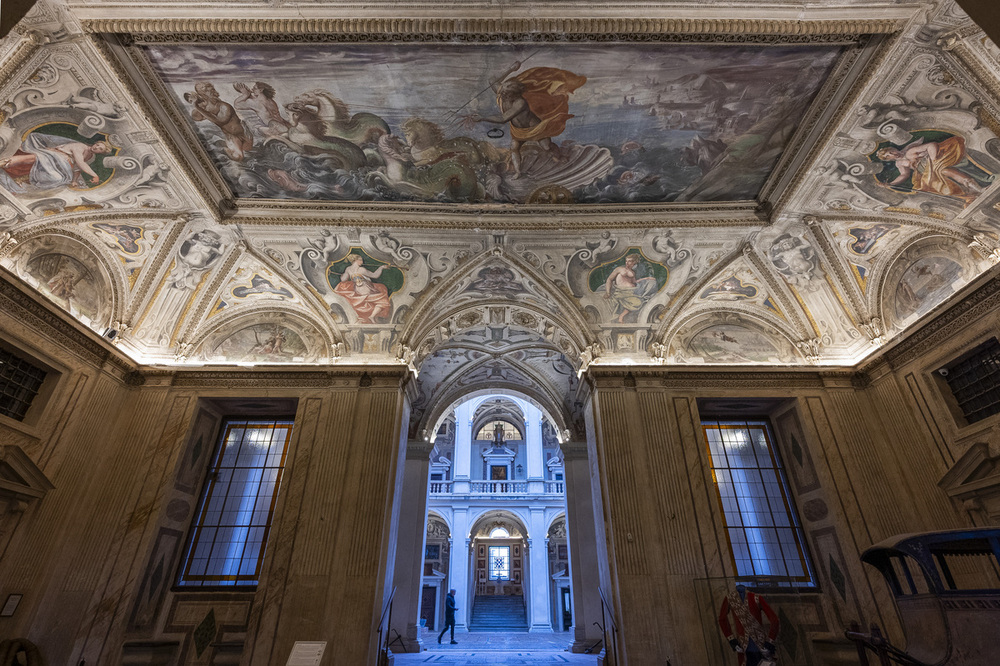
(609, 123)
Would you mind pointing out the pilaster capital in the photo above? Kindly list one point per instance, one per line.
(419, 449)
(574, 450)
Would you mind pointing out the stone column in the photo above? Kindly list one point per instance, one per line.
(533, 437)
(538, 573)
(584, 573)
(410, 547)
(458, 567)
(463, 448)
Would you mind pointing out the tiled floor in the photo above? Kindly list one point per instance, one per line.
(497, 649)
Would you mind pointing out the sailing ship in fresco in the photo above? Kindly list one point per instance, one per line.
(574, 125)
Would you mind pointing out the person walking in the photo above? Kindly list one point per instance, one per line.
(449, 616)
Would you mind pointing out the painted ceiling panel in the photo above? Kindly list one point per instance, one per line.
(512, 124)
(354, 240)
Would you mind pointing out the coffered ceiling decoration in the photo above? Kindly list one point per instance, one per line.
(502, 198)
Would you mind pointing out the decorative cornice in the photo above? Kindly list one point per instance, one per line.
(673, 378)
(817, 112)
(510, 217)
(30, 311)
(986, 78)
(740, 30)
(348, 378)
(27, 47)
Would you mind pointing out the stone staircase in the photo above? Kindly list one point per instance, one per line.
(498, 613)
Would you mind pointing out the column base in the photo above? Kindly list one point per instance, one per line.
(409, 646)
(541, 629)
(581, 645)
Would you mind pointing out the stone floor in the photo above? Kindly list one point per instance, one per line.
(497, 649)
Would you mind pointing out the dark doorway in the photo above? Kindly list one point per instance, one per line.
(428, 605)
(567, 609)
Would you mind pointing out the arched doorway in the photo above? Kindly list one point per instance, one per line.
(496, 406)
(500, 573)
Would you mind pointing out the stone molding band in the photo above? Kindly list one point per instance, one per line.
(492, 29)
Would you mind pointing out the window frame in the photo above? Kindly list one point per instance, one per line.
(34, 416)
(233, 582)
(940, 374)
(489, 559)
(806, 581)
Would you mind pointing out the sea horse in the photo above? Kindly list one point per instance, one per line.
(359, 129)
(449, 177)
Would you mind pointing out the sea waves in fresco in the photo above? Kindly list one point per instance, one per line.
(509, 124)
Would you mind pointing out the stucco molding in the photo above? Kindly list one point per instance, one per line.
(346, 378)
(212, 200)
(659, 378)
(862, 82)
(742, 30)
(502, 217)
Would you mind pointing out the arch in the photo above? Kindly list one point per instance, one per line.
(422, 319)
(74, 273)
(442, 409)
(434, 515)
(663, 332)
(556, 518)
(784, 344)
(310, 335)
(486, 519)
(950, 264)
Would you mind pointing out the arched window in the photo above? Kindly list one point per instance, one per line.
(499, 533)
(487, 431)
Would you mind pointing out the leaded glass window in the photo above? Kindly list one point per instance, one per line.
(499, 562)
(231, 526)
(765, 538)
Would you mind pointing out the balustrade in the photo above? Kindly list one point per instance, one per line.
(497, 487)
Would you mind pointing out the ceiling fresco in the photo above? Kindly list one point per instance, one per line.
(883, 206)
(598, 123)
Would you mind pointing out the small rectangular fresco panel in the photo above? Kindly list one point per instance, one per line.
(594, 123)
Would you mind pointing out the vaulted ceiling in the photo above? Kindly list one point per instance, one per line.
(499, 194)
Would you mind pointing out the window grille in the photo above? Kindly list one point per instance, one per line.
(231, 526)
(975, 381)
(19, 384)
(499, 562)
(765, 538)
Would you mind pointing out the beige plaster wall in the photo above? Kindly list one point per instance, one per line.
(96, 558)
(864, 466)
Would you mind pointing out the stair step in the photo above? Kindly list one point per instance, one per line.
(503, 613)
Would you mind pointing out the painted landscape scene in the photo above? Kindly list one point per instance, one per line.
(617, 123)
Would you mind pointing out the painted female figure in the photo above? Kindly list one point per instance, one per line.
(937, 167)
(369, 299)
